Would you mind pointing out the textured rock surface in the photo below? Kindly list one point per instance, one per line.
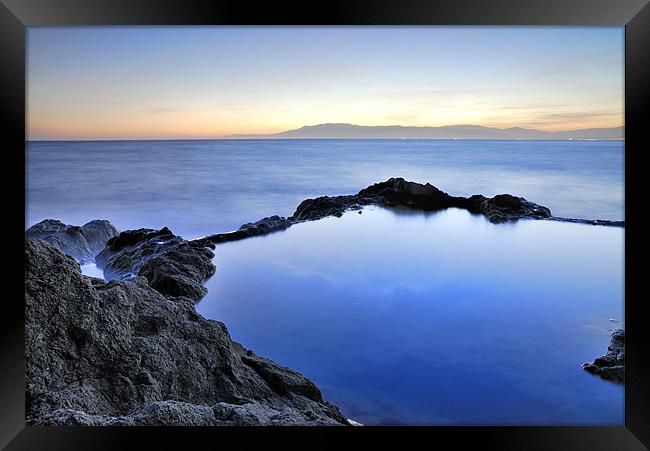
(120, 353)
(504, 208)
(81, 242)
(611, 366)
(321, 207)
(397, 192)
(171, 265)
(127, 252)
(262, 227)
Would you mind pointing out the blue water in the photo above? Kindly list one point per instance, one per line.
(406, 318)
(399, 317)
(202, 187)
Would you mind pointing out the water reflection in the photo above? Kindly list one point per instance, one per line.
(438, 318)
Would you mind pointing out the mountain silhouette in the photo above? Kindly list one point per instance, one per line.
(351, 131)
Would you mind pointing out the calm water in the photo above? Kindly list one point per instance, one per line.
(399, 317)
(432, 319)
(202, 187)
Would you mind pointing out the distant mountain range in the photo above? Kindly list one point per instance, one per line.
(350, 131)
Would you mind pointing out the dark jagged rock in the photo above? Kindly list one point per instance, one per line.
(180, 271)
(120, 353)
(611, 366)
(397, 192)
(505, 207)
(321, 207)
(266, 225)
(262, 227)
(80, 242)
(172, 266)
(126, 253)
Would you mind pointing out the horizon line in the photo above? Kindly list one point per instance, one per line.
(317, 139)
(264, 136)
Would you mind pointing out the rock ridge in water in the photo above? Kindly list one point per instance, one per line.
(611, 366)
(81, 242)
(397, 192)
(120, 353)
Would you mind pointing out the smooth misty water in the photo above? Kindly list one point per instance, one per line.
(202, 187)
(399, 317)
(434, 319)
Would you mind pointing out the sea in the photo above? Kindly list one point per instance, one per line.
(399, 317)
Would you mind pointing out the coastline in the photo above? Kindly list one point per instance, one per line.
(167, 273)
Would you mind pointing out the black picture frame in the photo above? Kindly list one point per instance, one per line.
(16, 15)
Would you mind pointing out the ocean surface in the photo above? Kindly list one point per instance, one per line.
(400, 317)
(198, 188)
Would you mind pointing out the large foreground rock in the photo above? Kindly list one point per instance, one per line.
(81, 242)
(611, 366)
(120, 353)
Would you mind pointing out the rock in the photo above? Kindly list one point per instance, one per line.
(172, 266)
(176, 413)
(397, 192)
(611, 366)
(262, 227)
(321, 207)
(127, 252)
(266, 225)
(505, 207)
(120, 353)
(597, 222)
(82, 243)
(180, 271)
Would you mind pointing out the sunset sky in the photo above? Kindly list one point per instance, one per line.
(205, 82)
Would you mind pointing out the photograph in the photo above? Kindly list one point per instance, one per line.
(325, 225)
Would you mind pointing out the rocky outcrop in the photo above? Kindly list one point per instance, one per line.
(170, 264)
(81, 242)
(262, 227)
(505, 208)
(126, 253)
(611, 366)
(321, 207)
(180, 271)
(121, 353)
(397, 192)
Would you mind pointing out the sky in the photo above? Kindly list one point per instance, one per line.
(209, 82)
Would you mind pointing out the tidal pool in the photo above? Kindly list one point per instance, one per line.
(403, 317)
